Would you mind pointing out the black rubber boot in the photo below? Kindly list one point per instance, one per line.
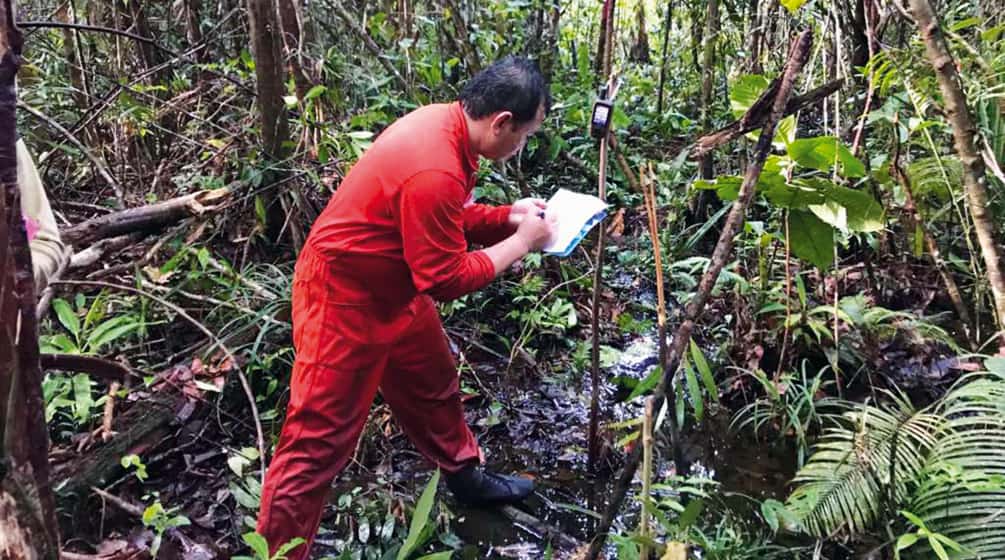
(476, 486)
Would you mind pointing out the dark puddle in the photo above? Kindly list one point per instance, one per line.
(542, 433)
(539, 428)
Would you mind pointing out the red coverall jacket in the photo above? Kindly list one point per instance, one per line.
(394, 235)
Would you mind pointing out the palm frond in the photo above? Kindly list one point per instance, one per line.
(962, 488)
(846, 483)
(949, 468)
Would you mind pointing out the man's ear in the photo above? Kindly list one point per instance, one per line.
(501, 119)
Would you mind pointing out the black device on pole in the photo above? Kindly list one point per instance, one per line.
(600, 121)
(603, 112)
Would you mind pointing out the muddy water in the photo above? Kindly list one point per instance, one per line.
(542, 434)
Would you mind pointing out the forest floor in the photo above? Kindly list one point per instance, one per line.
(530, 416)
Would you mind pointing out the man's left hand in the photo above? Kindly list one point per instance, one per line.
(525, 206)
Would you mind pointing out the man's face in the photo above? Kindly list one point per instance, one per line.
(509, 138)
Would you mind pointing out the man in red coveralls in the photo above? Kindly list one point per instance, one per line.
(393, 238)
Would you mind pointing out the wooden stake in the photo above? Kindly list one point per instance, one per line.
(647, 473)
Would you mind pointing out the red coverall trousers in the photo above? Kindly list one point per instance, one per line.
(345, 353)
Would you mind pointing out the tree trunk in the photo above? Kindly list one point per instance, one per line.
(549, 47)
(268, 75)
(964, 130)
(289, 17)
(705, 198)
(70, 46)
(27, 510)
(606, 20)
(755, 37)
(271, 87)
(708, 78)
(667, 25)
(149, 54)
(640, 50)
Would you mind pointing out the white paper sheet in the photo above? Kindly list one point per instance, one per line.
(577, 213)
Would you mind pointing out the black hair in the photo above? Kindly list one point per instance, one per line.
(513, 84)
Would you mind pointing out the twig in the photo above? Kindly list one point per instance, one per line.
(124, 505)
(217, 342)
(99, 29)
(258, 289)
(368, 42)
(798, 54)
(80, 146)
(214, 301)
(85, 27)
(549, 532)
(109, 413)
(100, 248)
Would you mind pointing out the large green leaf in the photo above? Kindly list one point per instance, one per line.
(811, 239)
(798, 195)
(419, 518)
(111, 330)
(863, 212)
(793, 5)
(82, 399)
(727, 187)
(844, 208)
(845, 482)
(66, 316)
(823, 153)
(948, 471)
(936, 178)
(694, 390)
(744, 91)
(701, 364)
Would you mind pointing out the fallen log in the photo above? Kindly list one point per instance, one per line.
(145, 219)
(547, 532)
(139, 429)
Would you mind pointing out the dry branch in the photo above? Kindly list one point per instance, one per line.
(102, 170)
(368, 42)
(106, 370)
(145, 219)
(798, 54)
(758, 114)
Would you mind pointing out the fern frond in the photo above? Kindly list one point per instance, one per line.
(937, 178)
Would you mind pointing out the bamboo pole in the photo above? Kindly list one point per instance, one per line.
(593, 439)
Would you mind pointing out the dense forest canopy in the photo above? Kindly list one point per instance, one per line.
(785, 340)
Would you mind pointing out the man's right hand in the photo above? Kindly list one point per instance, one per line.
(536, 230)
